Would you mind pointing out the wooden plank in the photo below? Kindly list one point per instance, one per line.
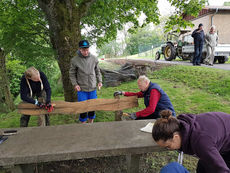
(62, 107)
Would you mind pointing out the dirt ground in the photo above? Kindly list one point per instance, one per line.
(97, 165)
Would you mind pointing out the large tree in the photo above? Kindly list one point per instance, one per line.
(25, 28)
(102, 18)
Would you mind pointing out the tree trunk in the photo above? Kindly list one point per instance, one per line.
(65, 33)
(4, 83)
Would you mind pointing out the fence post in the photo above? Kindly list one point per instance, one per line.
(119, 113)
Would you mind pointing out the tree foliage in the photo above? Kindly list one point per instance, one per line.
(15, 72)
(24, 39)
(24, 29)
(144, 39)
(106, 17)
(112, 48)
(226, 3)
(183, 7)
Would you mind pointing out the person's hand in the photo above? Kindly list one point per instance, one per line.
(49, 107)
(99, 85)
(133, 115)
(130, 115)
(77, 88)
(117, 93)
(40, 105)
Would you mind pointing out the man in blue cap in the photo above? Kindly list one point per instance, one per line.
(85, 76)
(198, 35)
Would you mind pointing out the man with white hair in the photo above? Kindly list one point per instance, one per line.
(155, 99)
(211, 39)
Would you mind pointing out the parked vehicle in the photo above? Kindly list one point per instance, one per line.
(181, 45)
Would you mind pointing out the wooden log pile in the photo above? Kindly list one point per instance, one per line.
(128, 72)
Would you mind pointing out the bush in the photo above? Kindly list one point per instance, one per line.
(15, 72)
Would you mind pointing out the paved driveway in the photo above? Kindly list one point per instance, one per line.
(149, 61)
(219, 66)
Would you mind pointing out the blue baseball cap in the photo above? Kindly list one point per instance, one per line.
(200, 25)
(83, 44)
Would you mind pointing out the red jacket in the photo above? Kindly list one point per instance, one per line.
(154, 98)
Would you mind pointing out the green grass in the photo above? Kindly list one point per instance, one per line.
(213, 81)
(191, 90)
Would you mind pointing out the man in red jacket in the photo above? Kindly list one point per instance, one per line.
(155, 99)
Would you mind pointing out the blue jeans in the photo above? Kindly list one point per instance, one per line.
(82, 96)
(198, 47)
(174, 167)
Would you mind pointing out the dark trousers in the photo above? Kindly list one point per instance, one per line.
(198, 47)
(201, 168)
(24, 120)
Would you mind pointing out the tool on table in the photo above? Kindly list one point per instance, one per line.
(6, 133)
(3, 138)
(9, 132)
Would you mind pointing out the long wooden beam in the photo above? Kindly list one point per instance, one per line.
(62, 107)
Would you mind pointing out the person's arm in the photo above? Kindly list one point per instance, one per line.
(72, 73)
(138, 94)
(206, 150)
(153, 100)
(206, 38)
(194, 33)
(217, 38)
(46, 86)
(98, 73)
(25, 91)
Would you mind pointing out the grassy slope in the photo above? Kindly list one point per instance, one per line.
(191, 90)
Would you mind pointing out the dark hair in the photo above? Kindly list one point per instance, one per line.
(200, 25)
(165, 126)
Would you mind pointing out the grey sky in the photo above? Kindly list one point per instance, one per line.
(165, 8)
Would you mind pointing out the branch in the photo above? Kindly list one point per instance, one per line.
(84, 7)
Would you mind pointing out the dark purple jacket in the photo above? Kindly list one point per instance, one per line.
(207, 136)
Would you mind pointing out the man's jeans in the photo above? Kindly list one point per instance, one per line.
(198, 47)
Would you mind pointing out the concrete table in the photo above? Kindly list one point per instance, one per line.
(78, 141)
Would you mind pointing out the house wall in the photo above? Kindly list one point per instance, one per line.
(222, 23)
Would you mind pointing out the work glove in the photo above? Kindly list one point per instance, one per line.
(133, 115)
(117, 93)
(129, 116)
(39, 104)
(49, 107)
